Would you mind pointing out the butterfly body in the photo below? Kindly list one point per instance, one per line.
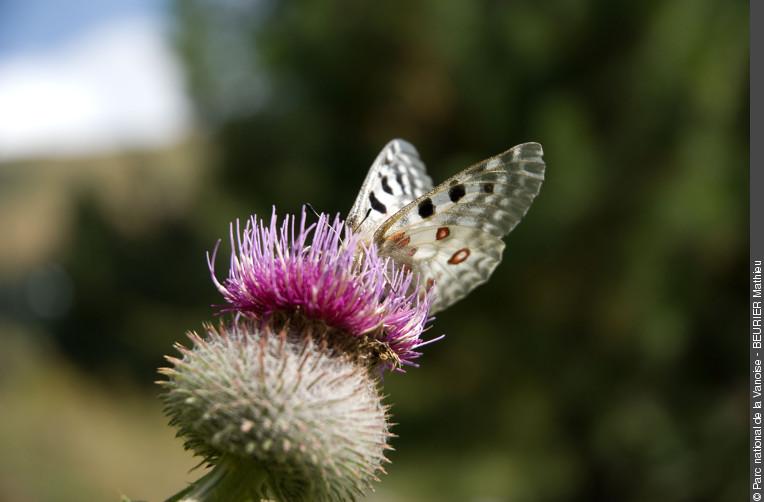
(450, 234)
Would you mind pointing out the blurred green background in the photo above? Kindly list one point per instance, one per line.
(601, 362)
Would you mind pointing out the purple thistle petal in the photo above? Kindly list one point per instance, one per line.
(326, 273)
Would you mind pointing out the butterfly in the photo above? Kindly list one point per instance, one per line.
(451, 235)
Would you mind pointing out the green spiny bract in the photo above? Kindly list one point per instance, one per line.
(306, 419)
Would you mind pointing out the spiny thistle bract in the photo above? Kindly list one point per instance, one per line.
(282, 399)
(308, 422)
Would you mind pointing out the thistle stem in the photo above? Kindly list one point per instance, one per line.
(231, 480)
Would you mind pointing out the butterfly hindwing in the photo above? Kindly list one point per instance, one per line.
(396, 178)
(451, 259)
(452, 235)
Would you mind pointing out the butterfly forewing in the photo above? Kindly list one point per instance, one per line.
(396, 178)
(452, 235)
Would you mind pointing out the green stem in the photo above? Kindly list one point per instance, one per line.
(231, 480)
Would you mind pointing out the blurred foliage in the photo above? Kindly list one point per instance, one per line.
(601, 362)
(67, 438)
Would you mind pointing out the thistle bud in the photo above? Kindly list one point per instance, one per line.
(281, 414)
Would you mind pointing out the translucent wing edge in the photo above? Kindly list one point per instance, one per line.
(490, 262)
(525, 159)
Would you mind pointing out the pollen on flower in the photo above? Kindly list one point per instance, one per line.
(325, 273)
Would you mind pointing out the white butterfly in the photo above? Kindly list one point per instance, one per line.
(451, 234)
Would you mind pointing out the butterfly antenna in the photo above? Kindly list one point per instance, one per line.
(331, 227)
(310, 206)
(342, 241)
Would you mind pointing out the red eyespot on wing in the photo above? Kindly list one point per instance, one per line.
(430, 284)
(442, 233)
(399, 239)
(459, 256)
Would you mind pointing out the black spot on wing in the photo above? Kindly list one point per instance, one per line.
(399, 179)
(385, 186)
(376, 205)
(456, 192)
(426, 209)
(487, 187)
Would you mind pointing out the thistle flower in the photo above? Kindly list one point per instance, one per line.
(334, 279)
(283, 399)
